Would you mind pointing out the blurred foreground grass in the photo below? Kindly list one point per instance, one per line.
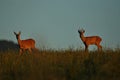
(60, 65)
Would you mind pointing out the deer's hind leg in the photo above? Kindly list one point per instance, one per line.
(99, 46)
(30, 50)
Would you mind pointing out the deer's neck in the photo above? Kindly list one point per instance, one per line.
(19, 41)
(82, 37)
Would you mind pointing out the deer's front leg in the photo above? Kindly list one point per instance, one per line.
(86, 47)
(20, 52)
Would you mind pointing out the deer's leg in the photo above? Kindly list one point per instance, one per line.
(99, 46)
(30, 50)
(20, 52)
(86, 48)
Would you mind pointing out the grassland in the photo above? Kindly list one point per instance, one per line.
(60, 65)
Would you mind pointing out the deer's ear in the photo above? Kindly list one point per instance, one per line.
(19, 32)
(83, 31)
(15, 33)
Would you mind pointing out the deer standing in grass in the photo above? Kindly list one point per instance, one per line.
(90, 40)
(27, 44)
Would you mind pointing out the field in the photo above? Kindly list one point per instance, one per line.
(60, 65)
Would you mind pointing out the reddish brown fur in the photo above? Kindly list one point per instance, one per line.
(27, 44)
(90, 40)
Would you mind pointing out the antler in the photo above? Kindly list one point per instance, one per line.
(81, 30)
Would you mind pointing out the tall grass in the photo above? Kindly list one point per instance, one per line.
(60, 65)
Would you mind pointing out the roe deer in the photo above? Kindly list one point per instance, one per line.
(27, 44)
(90, 40)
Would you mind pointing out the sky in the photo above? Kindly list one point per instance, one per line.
(55, 23)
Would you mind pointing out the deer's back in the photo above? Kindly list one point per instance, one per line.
(92, 39)
(28, 43)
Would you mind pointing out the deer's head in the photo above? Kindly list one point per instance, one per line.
(81, 31)
(17, 34)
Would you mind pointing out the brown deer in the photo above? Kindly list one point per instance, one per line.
(90, 40)
(27, 44)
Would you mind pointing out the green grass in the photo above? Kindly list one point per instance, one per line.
(60, 65)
